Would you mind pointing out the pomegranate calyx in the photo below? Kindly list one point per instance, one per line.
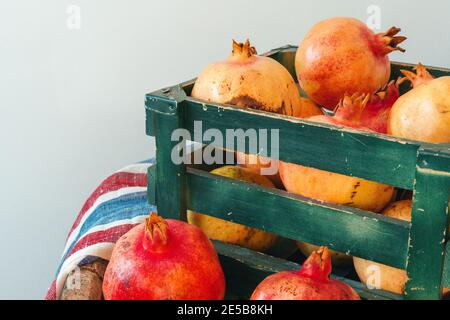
(390, 41)
(351, 107)
(387, 95)
(156, 229)
(318, 265)
(243, 50)
(420, 76)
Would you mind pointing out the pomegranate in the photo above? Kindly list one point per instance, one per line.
(231, 232)
(251, 81)
(342, 56)
(333, 187)
(375, 115)
(311, 282)
(337, 258)
(164, 260)
(422, 113)
(388, 278)
(256, 163)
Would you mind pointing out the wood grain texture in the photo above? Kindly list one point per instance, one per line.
(85, 282)
(370, 156)
(429, 223)
(170, 193)
(446, 272)
(244, 269)
(360, 233)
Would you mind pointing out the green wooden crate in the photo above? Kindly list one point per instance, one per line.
(419, 247)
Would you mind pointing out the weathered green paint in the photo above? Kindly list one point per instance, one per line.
(170, 182)
(428, 229)
(244, 269)
(446, 272)
(366, 155)
(151, 184)
(360, 233)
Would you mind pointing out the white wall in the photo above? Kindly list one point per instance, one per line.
(72, 101)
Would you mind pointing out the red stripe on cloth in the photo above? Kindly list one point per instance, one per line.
(109, 235)
(114, 182)
(51, 293)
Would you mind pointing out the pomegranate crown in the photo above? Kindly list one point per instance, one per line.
(156, 228)
(420, 76)
(390, 40)
(351, 107)
(243, 49)
(318, 265)
(386, 96)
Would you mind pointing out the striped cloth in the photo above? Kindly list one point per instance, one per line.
(117, 205)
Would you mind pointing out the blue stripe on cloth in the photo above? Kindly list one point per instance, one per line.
(151, 161)
(124, 207)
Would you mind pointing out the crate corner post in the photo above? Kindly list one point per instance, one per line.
(429, 223)
(169, 176)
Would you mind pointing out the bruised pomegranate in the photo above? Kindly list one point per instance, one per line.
(422, 113)
(311, 282)
(333, 187)
(251, 81)
(343, 56)
(164, 260)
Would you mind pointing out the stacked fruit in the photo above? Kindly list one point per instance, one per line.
(343, 67)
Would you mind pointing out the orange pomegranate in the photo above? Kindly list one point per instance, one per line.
(333, 187)
(388, 278)
(422, 113)
(251, 81)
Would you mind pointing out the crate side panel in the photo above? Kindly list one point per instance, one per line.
(245, 269)
(364, 155)
(428, 234)
(344, 229)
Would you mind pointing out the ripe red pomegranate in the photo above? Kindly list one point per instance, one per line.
(375, 115)
(164, 260)
(343, 56)
(311, 282)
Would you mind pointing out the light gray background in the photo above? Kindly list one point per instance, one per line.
(72, 100)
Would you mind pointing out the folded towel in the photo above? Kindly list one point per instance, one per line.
(117, 205)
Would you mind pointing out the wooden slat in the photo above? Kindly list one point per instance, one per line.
(359, 233)
(365, 155)
(429, 224)
(244, 269)
(446, 272)
(85, 281)
(170, 176)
